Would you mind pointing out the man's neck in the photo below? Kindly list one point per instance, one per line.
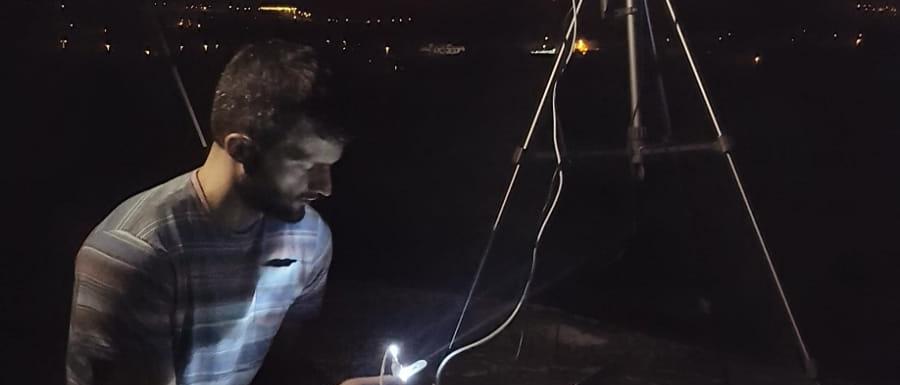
(217, 179)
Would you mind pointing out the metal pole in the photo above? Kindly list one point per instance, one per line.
(808, 362)
(634, 124)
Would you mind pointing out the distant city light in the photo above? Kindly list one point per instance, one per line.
(378, 21)
(387, 49)
(217, 45)
(581, 46)
(757, 59)
(147, 52)
(63, 42)
(278, 8)
(858, 41)
(835, 36)
(181, 47)
(205, 47)
(71, 25)
(108, 47)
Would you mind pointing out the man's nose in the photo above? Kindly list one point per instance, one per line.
(320, 182)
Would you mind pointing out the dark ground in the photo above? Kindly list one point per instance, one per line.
(815, 128)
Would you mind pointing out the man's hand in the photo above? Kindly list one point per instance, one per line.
(387, 380)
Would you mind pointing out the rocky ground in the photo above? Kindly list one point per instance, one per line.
(544, 346)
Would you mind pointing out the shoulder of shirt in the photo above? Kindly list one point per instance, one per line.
(153, 215)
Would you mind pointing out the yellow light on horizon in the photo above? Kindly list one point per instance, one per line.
(581, 46)
(278, 8)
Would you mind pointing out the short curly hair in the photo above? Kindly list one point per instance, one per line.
(268, 89)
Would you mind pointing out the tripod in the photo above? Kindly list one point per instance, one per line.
(638, 149)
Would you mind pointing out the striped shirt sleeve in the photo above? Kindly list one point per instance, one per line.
(120, 330)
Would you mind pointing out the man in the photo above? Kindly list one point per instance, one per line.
(189, 281)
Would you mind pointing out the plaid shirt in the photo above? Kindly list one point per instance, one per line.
(164, 296)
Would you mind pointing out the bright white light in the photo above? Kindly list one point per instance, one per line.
(395, 350)
(408, 371)
(404, 374)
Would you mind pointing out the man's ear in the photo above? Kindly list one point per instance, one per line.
(242, 149)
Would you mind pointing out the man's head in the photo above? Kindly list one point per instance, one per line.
(272, 116)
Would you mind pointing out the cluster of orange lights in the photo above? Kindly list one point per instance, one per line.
(187, 23)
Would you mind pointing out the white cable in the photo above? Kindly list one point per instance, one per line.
(549, 214)
(515, 174)
(552, 77)
(383, 363)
